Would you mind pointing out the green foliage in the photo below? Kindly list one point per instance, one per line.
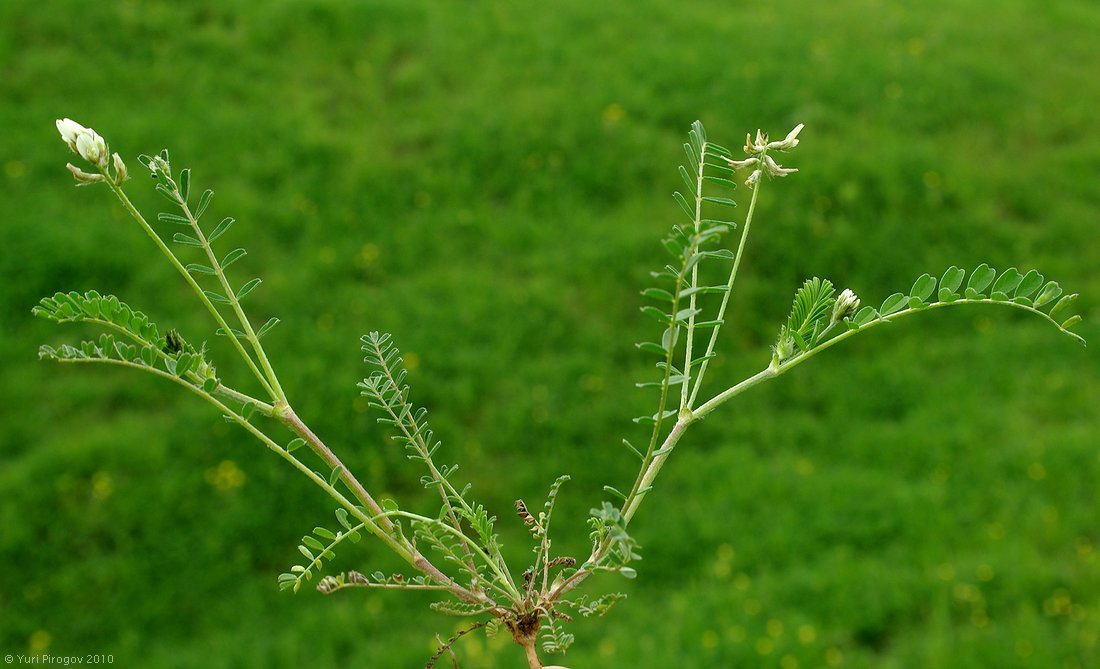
(315, 552)
(815, 300)
(496, 164)
(92, 307)
(809, 314)
(608, 525)
(690, 246)
(555, 640)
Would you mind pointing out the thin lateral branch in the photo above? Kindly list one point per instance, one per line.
(445, 646)
(414, 434)
(276, 389)
(136, 215)
(725, 299)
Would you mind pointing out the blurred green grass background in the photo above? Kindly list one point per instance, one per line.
(488, 181)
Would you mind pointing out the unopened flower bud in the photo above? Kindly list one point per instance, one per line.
(121, 173)
(784, 348)
(753, 179)
(69, 130)
(845, 305)
(84, 141)
(83, 178)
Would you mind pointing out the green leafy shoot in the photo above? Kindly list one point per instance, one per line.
(809, 314)
(315, 548)
(810, 323)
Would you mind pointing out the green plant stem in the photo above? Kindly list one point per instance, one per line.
(132, 210)
(698, 382)
(276, 389)
(298, 427)
(690, 337)
(507, 587)
(407, 553)
(417, 559)
(415, 437)
(802, 357)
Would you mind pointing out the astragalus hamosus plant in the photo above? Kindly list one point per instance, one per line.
(455, 550)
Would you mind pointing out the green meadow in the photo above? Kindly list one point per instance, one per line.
(489, 182)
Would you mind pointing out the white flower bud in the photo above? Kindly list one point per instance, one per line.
(84, 141)
(83, 178)
(790, 141)
(121, 173)
(69, 130)
(92, 148)
(846, 304)
(753, 179)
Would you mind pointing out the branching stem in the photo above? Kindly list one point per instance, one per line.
(132, 210)
(698, 381)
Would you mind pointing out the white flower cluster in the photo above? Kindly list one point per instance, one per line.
(87, 144)
(846, 305)
(759, 159)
